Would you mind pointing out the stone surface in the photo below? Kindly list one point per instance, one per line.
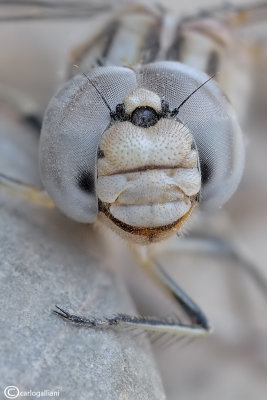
(46, 259)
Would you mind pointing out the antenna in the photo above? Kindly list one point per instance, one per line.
(175, 111)
(98, 91)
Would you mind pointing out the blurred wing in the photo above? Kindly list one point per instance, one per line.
(16, 10)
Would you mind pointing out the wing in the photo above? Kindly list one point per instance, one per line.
(37, 10)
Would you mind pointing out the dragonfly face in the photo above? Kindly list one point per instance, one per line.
(140, 148)
(148, 175)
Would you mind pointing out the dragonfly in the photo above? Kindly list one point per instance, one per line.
(144, 134)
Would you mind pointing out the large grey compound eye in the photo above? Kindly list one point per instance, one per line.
(73, 124)
(210, 119)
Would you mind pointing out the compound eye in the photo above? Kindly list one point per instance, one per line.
(73, 125)
(144, 117)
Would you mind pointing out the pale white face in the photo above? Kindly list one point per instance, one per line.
(148, 178)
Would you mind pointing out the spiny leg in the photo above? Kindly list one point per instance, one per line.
(238, 295)
(25, 191)
(219, 247)
(199, 325)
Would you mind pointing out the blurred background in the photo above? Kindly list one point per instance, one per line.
(232, 363)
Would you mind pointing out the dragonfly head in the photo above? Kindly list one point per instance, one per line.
(140, 147)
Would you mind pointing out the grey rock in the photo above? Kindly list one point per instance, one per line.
(47, 259)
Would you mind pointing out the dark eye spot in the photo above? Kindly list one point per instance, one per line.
(144, 116)
(34, 121)
(100, 153)
(206, 172)
(86, 182)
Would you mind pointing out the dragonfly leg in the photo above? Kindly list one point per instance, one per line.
(25, 191)
(213, 246)
(198, 327)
